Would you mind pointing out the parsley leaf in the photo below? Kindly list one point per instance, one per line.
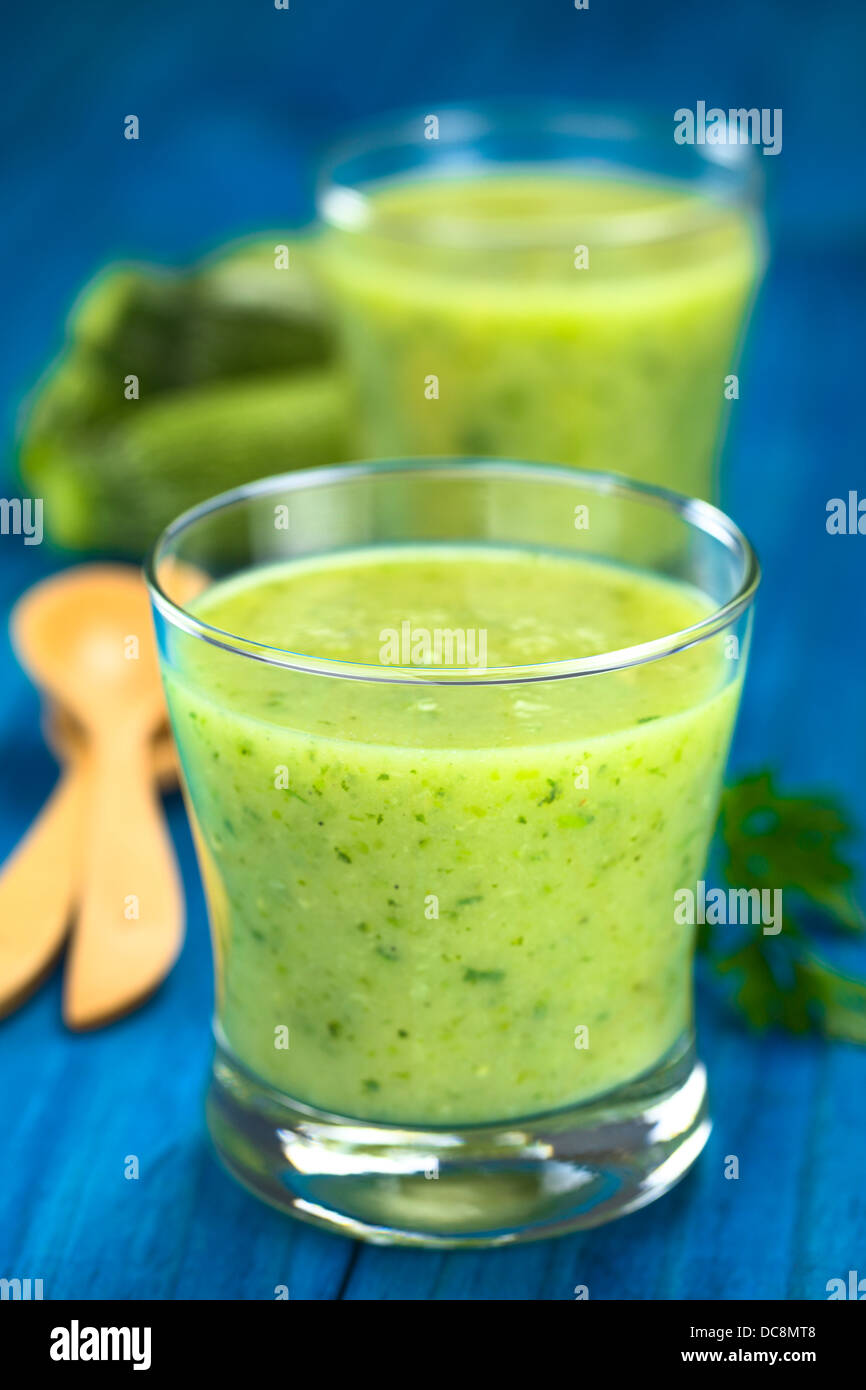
(770, 841)
(790, 842)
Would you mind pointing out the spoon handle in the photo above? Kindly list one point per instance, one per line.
(131, 918)
(38, 886)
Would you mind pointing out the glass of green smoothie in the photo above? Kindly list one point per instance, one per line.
(544, 284)
(449, 754)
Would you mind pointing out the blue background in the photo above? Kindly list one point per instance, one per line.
(234, 101)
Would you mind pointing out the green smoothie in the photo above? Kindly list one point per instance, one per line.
(439, 903)
(577, 319)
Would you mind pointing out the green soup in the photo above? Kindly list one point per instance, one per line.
(584, 320)
(439, 903)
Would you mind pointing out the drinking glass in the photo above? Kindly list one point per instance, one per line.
(453, 1003)
(544, 283)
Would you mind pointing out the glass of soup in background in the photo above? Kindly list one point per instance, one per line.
(544, 284)
(449, 754)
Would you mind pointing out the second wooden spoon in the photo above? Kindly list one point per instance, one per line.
(86, 636)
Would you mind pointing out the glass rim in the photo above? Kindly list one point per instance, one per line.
(345, 206)
(701, 515)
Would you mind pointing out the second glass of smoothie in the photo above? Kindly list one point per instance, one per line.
(449, 755)
(544, 284)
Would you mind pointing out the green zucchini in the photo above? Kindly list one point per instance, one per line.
(236, 376)
(113, 488)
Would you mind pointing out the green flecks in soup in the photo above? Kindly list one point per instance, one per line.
(460, 878)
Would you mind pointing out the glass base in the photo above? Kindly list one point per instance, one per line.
(492, 1184)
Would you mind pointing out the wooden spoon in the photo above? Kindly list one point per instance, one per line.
(38, 888)
(86, 637)
(66, 739)
(40, 882)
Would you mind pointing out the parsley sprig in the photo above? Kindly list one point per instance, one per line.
(796, 843)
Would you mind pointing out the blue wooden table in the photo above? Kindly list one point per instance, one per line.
(230, 104)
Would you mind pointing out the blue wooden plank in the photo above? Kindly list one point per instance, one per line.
(230, 111)
(830, 1233)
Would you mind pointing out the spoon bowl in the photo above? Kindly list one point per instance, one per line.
(85, 636)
